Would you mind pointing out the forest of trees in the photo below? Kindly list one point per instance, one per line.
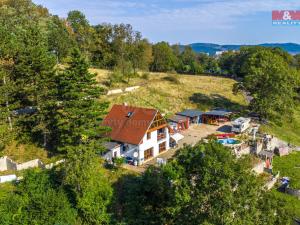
(58, 108)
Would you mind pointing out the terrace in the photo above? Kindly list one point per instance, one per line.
(161, 133)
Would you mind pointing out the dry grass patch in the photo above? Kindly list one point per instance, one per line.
(202, 92)
(25, 152)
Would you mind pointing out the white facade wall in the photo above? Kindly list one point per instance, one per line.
(116, 151)
(140, 149)
(153, 143)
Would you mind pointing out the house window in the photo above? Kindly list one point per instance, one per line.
(148, 135)
(162, 147)
(124, 148)
(148, 153)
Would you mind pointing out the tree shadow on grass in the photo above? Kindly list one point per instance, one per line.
(122, 205)
(213, 101)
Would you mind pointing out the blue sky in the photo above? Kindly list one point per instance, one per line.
(189, 21)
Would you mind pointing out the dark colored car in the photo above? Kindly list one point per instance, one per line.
(129, 160)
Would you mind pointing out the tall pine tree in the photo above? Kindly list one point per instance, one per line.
(79, 135)
(33, 73)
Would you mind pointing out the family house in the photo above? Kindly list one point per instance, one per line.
(139, 133)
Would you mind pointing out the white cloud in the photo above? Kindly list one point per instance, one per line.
(219, 13)
(205, 16)
(166, 17)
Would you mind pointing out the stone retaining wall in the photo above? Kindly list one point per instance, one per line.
(30, 164)
(8, 164)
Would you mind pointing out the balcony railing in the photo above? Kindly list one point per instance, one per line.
(161, 136)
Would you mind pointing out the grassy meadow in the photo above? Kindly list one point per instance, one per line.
(292, 203)
(288, 130)
(202, 92)
(289, 166)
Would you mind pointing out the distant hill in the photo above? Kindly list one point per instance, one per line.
(211, 49)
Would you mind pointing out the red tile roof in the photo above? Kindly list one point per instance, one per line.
(126, 128)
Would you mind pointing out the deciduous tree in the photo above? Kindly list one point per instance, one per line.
(37, 200)
(271, 82)
(204, 184)
(164, 59)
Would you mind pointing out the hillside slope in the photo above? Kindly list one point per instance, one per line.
(202, 92)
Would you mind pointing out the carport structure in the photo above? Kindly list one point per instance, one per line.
(214, 117)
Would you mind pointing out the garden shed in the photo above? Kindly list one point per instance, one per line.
(194, 116)
(179, 123)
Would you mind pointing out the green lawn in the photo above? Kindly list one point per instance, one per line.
(6, 189)
(289, 166)
(292, 203)
(289, 130)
